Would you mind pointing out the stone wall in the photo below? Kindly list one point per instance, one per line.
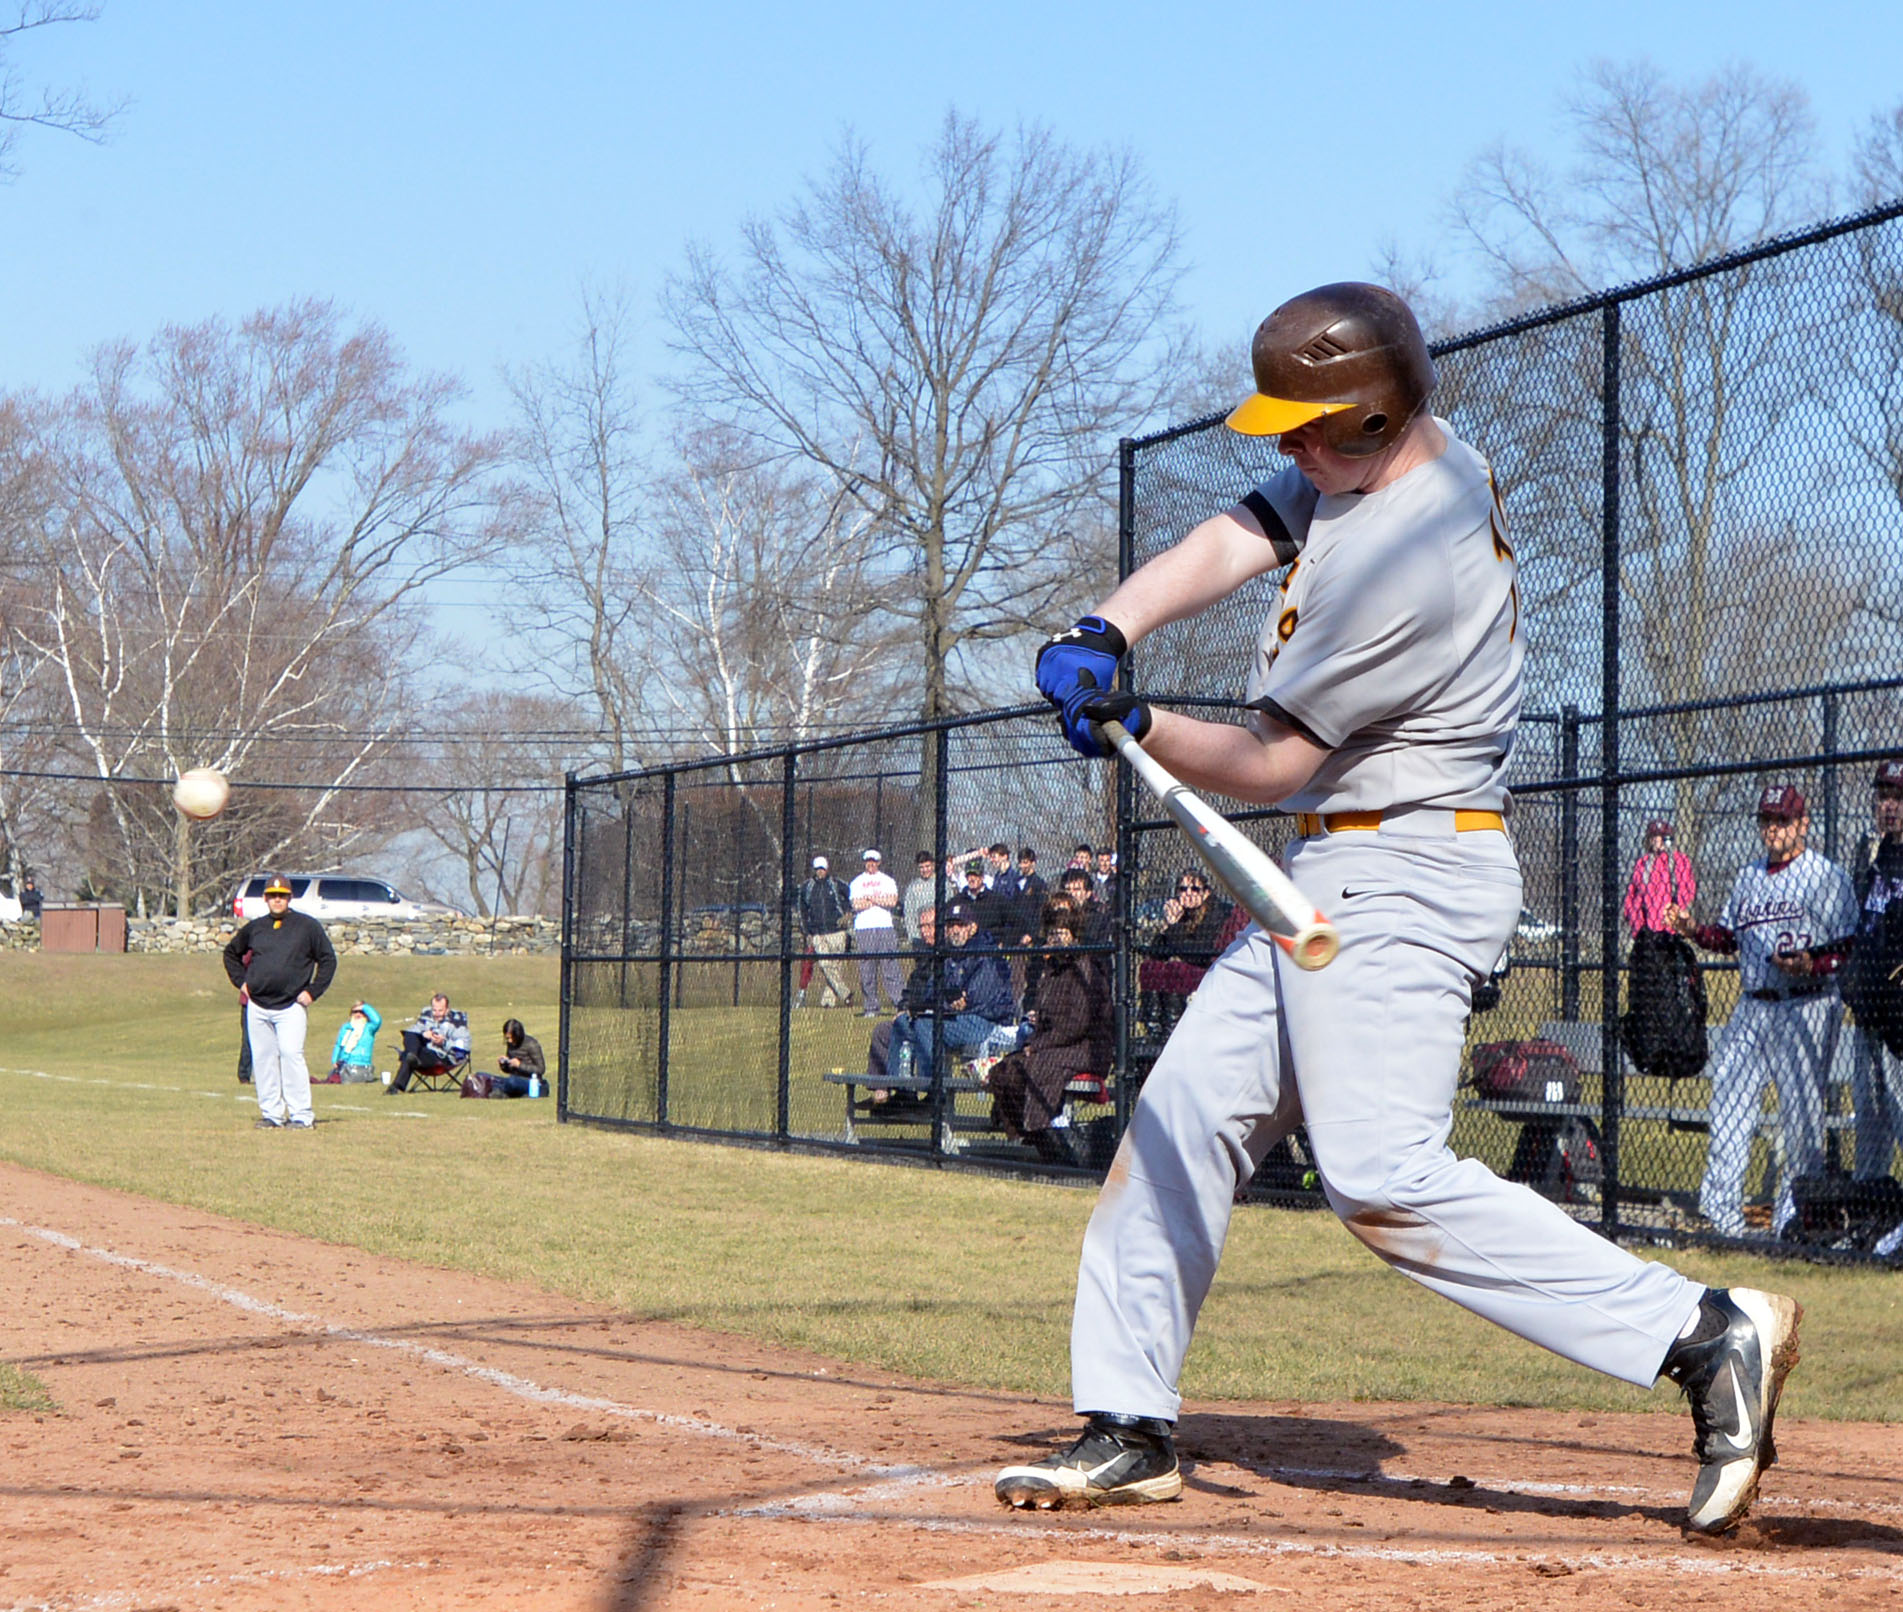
(422, 937)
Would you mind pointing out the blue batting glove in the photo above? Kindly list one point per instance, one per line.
(1089, 705)
(1094, 646)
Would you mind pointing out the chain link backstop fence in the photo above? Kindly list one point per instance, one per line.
(1703, 477)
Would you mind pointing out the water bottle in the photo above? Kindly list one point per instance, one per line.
(535, 1086)
(903, 1062)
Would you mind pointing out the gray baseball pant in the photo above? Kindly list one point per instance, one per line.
(278, 1072)
(1368, 1053)
(878, 965)
(1789, 1042)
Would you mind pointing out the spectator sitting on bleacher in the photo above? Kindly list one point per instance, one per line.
(439, 1040)
(990, 907)
(1072, 1034)
(1027, 894)
(974, 995)
(1080, 889)
(914, 998)
(1180, 953)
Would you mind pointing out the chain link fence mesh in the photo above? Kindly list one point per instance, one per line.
(1703, 477)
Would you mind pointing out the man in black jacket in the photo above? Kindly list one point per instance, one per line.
(824, 909)
(1867, 962)
(289, 965)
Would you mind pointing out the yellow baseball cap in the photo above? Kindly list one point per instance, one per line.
(277, 885)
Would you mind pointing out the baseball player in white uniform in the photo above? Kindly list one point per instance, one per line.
(1788, 1014)
(1385, 696)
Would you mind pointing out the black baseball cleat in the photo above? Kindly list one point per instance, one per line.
(1119, 1460)
(1732, 1369)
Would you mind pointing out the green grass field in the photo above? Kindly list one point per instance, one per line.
(119, 1071)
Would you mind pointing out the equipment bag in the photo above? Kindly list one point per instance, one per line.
(1559, 1158)
(1663, 1026)
(1525, 1072)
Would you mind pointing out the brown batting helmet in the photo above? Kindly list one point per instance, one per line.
(1348, 354)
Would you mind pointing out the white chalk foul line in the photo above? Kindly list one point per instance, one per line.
(132, 1599)
(188, 1091)
(508, 1382)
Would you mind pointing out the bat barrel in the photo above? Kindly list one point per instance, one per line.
(1249, 875)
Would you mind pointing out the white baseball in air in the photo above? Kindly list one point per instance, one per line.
(201, 793)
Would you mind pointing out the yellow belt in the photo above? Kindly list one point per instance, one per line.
(1308, 824)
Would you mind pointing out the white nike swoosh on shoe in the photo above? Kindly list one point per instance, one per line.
(1740, 1440)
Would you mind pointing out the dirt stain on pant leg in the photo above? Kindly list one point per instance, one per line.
(1399, 1236)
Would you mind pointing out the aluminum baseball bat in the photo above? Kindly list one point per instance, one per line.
(1248, 873)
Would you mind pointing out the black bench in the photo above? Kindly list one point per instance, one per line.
(1584, 1041)
(915, 1102)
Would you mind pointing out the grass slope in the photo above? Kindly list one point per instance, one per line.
(119, 1071)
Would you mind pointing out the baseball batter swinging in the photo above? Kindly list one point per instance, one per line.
(1384, 697)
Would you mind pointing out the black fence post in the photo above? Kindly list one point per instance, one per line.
(669, 983)
(1569, 865)
(1127, 854)
(1611, 1062)
(941, 829)
(788, 820)
(687, 835)
(627, 886)
(571, 833)
(1832, 826)
(735, 890)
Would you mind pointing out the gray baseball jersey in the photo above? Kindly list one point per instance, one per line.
(1808, 899)
(1396, 640)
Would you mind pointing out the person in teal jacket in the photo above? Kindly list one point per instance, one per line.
(353, 1059)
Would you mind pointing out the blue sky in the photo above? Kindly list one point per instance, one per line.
(458, 170)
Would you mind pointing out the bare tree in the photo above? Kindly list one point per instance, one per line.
(506, 845)
(577, 444)
(244, 515)
(29, 713)
(1664, 175)
(958, 372)
(25, 106)
(768, 618)
(1877, 162)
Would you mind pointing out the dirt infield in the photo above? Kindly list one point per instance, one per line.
(252, 1419)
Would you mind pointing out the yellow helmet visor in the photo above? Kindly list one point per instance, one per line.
(1260, 415)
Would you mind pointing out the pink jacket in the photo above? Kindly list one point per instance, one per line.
(1658, 882)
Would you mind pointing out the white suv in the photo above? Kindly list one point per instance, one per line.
(337, 895)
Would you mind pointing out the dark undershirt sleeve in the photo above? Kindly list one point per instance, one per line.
(1269, 708)
(1273, 526)
(1715, 938)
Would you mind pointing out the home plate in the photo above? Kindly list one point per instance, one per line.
(1102, 1578)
